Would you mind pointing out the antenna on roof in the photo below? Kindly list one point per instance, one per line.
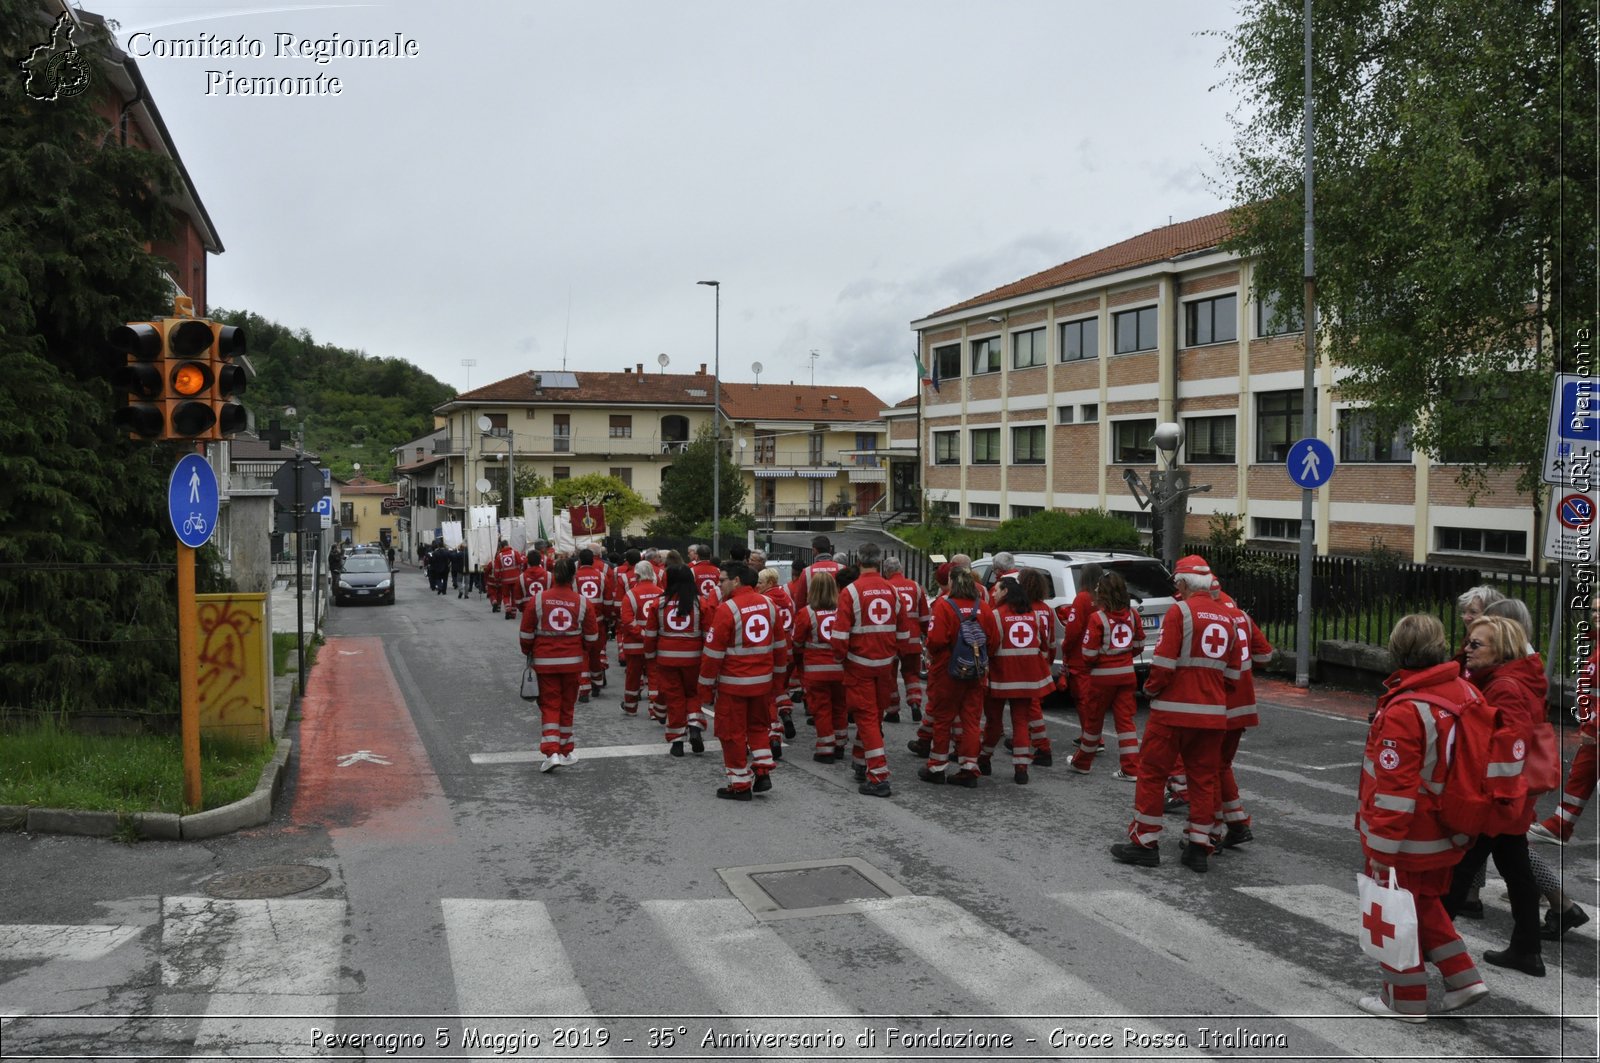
(755, 367)
(564, 335)
(814, 356)
(662, 360)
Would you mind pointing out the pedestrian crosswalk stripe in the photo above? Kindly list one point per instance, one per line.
(1246, 764)
(254, 959)
(1340, 912)
(746, 965)
(1273, 986)
(42, 941)
(533, 756)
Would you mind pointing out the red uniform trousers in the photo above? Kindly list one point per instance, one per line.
(1575, 793)
(1201, 749)
(1038, 736)
(910, 668)
(639, 680)
(595, 677)
(1407, 991)
(558, 698)
(742, 728)
(1099, 697)
(1022, 709)
(954, 722)
(825, 701)
(680, 691)
(866, 692)
(1230, 809)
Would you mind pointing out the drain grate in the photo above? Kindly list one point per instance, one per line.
(259, 883)
(809, 887)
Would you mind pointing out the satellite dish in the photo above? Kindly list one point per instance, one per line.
(356, 466)
(288, 411)
(755, 367)
(484, 424)
(482, 485)
(662, 360)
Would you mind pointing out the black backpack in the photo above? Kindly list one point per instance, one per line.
(969, 656)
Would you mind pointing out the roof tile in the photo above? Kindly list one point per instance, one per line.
(612, 389)
(798, 402)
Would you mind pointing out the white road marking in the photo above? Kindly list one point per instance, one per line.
(1242, 764)
(42, 941)
(533, 756)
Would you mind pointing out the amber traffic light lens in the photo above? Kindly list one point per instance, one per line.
(190, 379)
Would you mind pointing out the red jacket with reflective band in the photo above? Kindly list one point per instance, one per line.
(708, 578)
(639, 602)
(914, 604)
(813, 643)
(1017, 666)
(743, 648)
(556, 630)
(1195, 660)
(780, 598)
(1111, 643)
(590, 582)
(506, 565)
(870, 629)
(800, 586)
(1074, 619)
(673, 637)
(1254, 650)
(529, 581)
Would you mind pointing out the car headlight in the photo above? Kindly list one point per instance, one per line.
(384, 585)
(345, 586)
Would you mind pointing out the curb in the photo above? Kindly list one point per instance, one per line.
(251, 811)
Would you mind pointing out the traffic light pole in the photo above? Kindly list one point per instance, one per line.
(300, 568)
(189, 672)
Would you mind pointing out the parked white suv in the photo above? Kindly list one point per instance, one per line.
(1149, 585)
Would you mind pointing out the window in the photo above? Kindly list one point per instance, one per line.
(1131, 442)
(1214, 320)
(562, 433)
(1359, 439)
(984, 510)
(625, 475)
(986, 446)
(866, 441)
(947, 448)
(1027, 445)
(947, 508)
(1064, 415)
(1027, 349)
(1277, 424)
(347, 513)
(561, 472)
(1210, 440)
(1141, 521)
(1089, 412)
(986, 355)
(621, 426)
(1080, 340)
(1482, 541)
(1025, 511)
(766, 447)
(1277, 528)
(497, 422)
(1134, 330)
(814, 495)
(814, 448)
(947, 362)
(1276, 316)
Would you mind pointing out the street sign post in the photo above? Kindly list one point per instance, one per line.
(1574, 439)
(192, 505)
(1310, 463)
(193, 500)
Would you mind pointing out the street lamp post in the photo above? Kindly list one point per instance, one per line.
(1168, 494)
(716, 425)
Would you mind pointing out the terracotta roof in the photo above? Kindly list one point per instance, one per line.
(432, 459)
(909, 400)
(363, 486)
(798, 402)
(1157, 245)
(610, 389)
(245, 447)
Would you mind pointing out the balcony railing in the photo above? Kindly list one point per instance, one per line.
(535, 445)
(756, 458)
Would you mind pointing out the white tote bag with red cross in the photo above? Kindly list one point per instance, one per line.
(1388, 929)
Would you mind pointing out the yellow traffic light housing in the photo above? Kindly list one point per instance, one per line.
(228, 343)
(142, 379)
(180, 377)
(189, 379)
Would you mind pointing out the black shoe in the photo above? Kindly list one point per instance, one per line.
(1042, 760)
(964, 778)
(677, 749)
(493, 609)
(874, 789)
(891, 717)
(788, 727)
(1006, 741)
(1527, 962)
(1138, 855)
(1020, 776)
(696, 743)
(811, 721)
(777, 750)
(822, 758)
(583, 699)
(1238, 834)
(1175, 801)
(919, 747)
(916, 714)
(1194, 858)
(838, 755)
(727, 793)
(763, 784)
(1469, 910)
(985, 766)
(1558, 923)
(861, 772)
(929, 775)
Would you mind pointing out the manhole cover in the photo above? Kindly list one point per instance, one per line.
(275, 880)
(815, 887)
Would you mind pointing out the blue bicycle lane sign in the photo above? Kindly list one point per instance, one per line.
(193, 500)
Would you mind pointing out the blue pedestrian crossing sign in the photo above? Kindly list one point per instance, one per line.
(193, 500)
(1310, 463)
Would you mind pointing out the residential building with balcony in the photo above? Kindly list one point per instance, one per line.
(1050, 389)
(360, 514)
(421, 479)
(809, 453)
(902, 422)
(632, 425)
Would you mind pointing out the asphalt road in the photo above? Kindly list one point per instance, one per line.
(605, 902)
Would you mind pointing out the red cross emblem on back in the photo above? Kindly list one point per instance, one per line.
(1215, 640)
(879, 611)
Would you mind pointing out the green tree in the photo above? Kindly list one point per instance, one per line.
(686, 487)
(1455, 204)
(623, 504)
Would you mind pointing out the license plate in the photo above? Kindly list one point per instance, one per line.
(363, 592)
(1152, 623)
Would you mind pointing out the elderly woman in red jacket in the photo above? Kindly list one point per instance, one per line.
(1402, 777)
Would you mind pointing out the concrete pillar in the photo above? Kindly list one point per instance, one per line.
(250, 551)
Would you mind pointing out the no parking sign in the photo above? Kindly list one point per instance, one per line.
(1569, 534)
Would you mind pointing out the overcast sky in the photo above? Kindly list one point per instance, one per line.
(545, 182)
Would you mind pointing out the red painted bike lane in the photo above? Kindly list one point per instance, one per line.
(363, 768)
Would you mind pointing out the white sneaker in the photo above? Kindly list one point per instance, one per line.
(1540, 833)
(550, 763)
(1377, 1006)
(1456, 999)
(569, 759)
(1124, 776)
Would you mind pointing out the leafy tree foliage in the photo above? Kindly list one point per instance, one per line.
(355, 406)
(686, 487)
(623, 504)
(1454, 197)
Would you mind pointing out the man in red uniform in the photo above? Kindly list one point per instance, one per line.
(639, 601)
(1231, 823)
(783, 706)
(1074, 619)
(914, 605)
(707, 576)
(822, 561)
(742, 654)
(590, 581)
(556, 632)
(533, 578)
(506, 565)
(1193, 664)
(867, 636)
(1557, 828)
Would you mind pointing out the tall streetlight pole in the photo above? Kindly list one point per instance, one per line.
(716, 426)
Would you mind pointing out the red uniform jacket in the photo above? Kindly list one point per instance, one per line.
(1111, 643)
(780, 598)
(1254, 649)
(708, 578)
(800, 586)
(947, 623)
(743, 648)
(1017, 667)
(673, 637)
(1074, 619)
(590, 582)
(1195, 661)
(505, 566)
(1517, 688)
(531, 579)
(639, 603)
(557, 631)
(871, 629)
(813, 643)
(1402, 776)
(914, 604)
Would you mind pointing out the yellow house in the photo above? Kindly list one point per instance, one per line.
(360, 516)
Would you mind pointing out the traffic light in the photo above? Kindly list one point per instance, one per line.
(190, 379)
(143, 379)
(227, 344)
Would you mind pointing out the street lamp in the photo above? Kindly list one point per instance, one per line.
(716, 425)
(1168, 493)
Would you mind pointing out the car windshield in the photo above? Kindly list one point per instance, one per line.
(366, 563)
(1145, 578)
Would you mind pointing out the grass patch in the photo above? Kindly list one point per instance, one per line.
(284, 648)
(46, 765)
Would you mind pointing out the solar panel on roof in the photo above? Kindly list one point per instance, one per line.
(558, 379)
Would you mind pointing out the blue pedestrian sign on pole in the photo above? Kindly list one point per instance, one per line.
(1310, 463)
(192, 500)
